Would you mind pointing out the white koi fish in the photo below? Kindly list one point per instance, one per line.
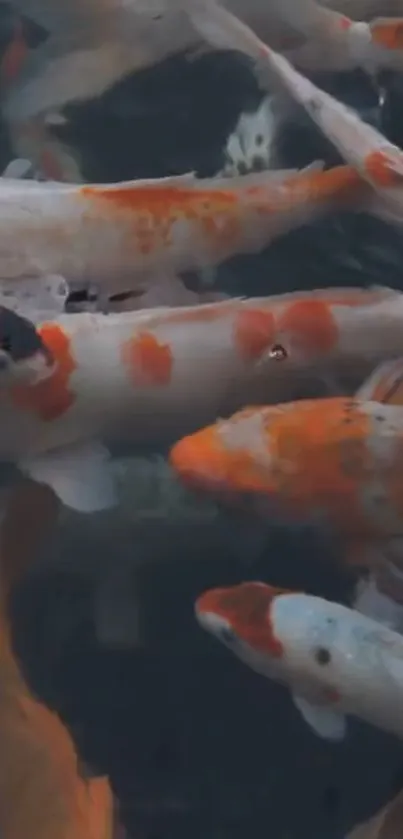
(335, 661)
(131, 235)
(152, 376)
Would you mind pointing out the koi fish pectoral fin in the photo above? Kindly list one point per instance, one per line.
(384, 385)
(35, 298)
(80, 475)
(327, 723)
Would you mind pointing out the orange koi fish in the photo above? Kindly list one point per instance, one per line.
(127, 236)
(335, 661)
(153, 376)
(333, 463)
(43, 793)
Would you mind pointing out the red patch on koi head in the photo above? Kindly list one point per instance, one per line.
(149, 361)
(345, 22)
(254, 333)
(51, 398)
(311, 326)
(247, 608)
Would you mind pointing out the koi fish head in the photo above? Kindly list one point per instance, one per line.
(24, 358)
(302, 641)
(241, 614)
(298, 456)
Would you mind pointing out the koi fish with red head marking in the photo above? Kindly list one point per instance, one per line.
(334, 463)
(335, 661)
(127, 236)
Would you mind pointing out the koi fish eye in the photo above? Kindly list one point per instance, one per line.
(322, 656)
(278, 352)
(227, 635)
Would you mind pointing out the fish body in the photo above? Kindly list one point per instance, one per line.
(125, 236)
(335, 661)
(335, 462)
(152, 376)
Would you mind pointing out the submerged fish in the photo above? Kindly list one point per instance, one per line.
(334, 463)
(44, 794)
(334, 660)
(152, 376)
(131, 235)
(94, 44)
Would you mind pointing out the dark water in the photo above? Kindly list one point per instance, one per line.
(196, 744)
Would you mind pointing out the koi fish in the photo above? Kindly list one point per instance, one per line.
(92, 45)
(335, 661)
(127, 236)
(333, 463)
(148, 377)
(44, 792)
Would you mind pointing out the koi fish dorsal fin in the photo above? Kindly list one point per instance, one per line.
(384, 385)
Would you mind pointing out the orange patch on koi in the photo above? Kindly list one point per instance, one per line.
(388, 34)
(311, 325)
(254, 333)
(50, 398)
(339, 431)
(378, 165)
(149, 361)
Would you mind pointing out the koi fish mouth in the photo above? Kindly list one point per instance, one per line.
(200, 464)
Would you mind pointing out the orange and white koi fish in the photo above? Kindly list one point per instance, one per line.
(94, 44)
(152, 376)
(334, 463)
(335, 661)
(44, 793)
(127, 236)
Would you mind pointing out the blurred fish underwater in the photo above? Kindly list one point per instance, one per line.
(195, 743)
